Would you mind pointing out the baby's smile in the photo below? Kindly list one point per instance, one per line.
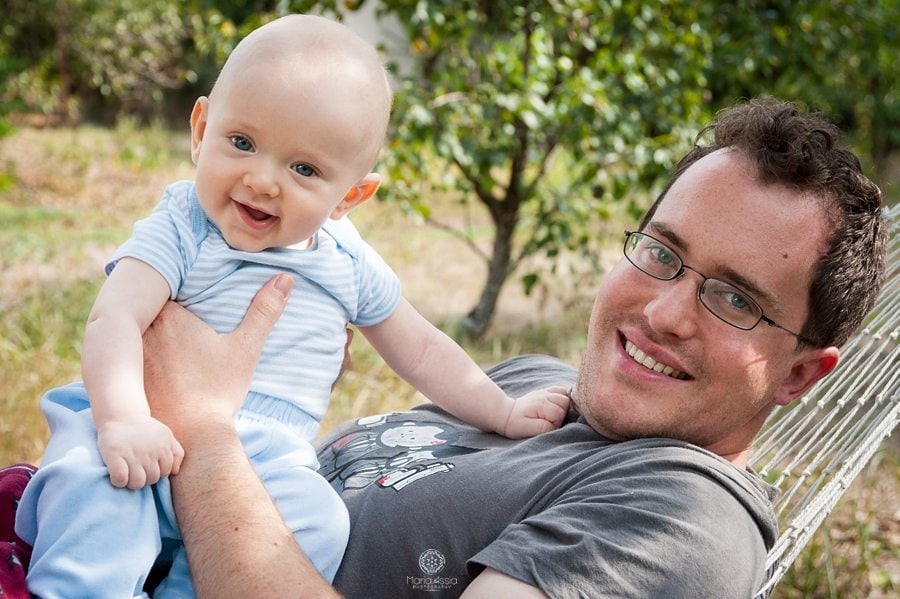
(254, 217)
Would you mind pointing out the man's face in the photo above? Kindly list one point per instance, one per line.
(763, 240)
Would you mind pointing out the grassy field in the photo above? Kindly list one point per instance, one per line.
(69, 196)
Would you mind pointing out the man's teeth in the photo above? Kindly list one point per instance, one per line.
(648, 362)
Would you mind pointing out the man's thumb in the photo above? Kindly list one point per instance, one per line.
(265, 309)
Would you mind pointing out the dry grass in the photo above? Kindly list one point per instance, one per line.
(69, 196)
(855, 554)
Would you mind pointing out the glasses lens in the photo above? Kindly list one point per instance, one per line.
(652, 256)
(730, 304)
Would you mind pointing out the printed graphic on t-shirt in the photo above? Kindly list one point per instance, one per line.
(390, 454)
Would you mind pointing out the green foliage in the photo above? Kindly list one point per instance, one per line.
(839, 57)
(60, 55)
(137, 59)
(128, 57)
(505, 93)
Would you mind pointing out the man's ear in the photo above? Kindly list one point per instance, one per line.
(198, 125)
(361, 191)
(810, 366)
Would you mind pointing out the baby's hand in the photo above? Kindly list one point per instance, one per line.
(139, 451)
(537, 412)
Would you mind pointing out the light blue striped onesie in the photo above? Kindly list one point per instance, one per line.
(84, 530)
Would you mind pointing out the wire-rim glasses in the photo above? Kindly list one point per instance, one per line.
(723, 300)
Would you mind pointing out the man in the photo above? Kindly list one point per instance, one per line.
(760, 257)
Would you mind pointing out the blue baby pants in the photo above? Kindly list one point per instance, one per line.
(93, 540)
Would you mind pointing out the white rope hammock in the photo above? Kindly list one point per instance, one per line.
(814, 448)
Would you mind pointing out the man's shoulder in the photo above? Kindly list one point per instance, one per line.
(683, 460)
(690, 481)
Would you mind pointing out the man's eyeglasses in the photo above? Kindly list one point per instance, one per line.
(725, 301)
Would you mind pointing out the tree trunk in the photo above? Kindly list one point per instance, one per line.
(477, 321)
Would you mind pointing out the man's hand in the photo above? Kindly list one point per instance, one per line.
(138, 451)
(194, 376)
(537, 412)
(237, 542)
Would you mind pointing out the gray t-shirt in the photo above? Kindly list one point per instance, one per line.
(433, 501)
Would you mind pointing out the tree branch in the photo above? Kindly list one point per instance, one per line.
(461, 235)
(486, 198)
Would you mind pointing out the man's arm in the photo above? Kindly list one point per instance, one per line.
(492, 584)
(237, 544)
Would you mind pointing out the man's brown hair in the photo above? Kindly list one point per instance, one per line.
(802, 150)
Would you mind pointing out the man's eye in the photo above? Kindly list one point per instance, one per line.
(304, 170)
(241, 143)
(661, 254)
(739, 302)
(734, 301)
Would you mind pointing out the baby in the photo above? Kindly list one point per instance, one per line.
(284, 148)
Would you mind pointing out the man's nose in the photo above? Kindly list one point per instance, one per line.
(262, 178)
(674, 309)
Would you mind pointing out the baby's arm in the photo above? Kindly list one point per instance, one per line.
(136, 448)
(443, 372)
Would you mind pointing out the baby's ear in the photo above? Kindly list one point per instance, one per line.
(361, 191)
(198, 125)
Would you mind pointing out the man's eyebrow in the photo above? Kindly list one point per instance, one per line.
(761, 295)
(729, 274)
(666, 232)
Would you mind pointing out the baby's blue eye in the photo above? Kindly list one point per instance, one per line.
(304, 170)
(241, 143)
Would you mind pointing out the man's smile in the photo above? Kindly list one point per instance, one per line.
(647, 362)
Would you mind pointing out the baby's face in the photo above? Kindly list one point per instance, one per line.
(277, 150)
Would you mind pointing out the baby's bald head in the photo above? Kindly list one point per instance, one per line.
(306, 55)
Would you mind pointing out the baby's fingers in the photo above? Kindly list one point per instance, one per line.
(559, 396)
(118, 472)
(170, 462)
(558, 389)
(554, 411)
(142, 476)
(177, 457)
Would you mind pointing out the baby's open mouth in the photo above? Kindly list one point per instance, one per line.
(648, 362)
(255, 214)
